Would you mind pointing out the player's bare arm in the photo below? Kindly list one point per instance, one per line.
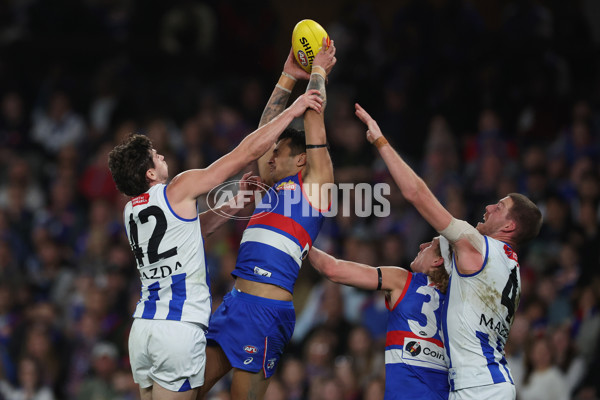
(358, 275)
(211, 220)
(415, 190)
(319, 169)
(280, 96)
(292, 72)
(187, 186)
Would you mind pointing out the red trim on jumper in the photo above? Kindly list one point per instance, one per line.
(281, 222)
(265, 357)
(306, 197)
(396, 338)
(406, 285)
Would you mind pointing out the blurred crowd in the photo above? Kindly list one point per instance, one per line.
(482, 98)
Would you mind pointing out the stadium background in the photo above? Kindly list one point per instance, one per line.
(481, 97)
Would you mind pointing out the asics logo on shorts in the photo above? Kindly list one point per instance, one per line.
(262, 272)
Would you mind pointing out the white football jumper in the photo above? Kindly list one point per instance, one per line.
(477, 317)
(169, 251)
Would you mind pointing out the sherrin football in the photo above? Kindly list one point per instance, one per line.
(307, 41)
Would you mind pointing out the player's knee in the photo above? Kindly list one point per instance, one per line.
(248, 385)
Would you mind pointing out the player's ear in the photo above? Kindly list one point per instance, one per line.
(509, 226)
(438, 261)
(150, 174)
(301, 160)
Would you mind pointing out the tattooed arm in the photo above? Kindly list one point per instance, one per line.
(282, 91)
(276, 104)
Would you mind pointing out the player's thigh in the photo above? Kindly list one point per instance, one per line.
(217, 365)
(248, 385)
(146, 393)
(160, 393)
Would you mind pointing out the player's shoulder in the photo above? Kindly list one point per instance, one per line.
(502, 248)
(419, 278)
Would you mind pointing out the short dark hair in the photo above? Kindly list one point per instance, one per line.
(128, 163)
(527, 217)
(297, 140)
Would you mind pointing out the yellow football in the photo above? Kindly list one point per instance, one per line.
(307, 41)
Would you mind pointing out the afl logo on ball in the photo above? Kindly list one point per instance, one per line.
(302, 58)
(250, 349)
(414, 348)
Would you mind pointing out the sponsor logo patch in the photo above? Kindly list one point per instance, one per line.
(424, 351)
(248, 360)
(289, 185)
(271, 363)
(141, 199)
(414, 348)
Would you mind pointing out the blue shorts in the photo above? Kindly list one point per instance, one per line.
(252, 330)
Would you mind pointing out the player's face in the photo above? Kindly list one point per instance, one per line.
(495, 217)
(161, 169)
(282, 162)
(427, 258)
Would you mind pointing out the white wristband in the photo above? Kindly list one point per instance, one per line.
(289, 76)
(282, 88)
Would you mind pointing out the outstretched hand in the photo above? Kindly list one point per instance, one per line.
(373, 131)
(310, 99)
(250, 183)
(326, 57)
(292, 67)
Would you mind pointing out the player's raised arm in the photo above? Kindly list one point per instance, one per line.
(192, 183)
(319, 169)
(468, 242)
(292, 72)
(413, 188)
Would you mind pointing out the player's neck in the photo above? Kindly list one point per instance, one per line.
(504, 237)
(154, 183)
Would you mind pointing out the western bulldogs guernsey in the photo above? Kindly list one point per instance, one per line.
(477, 317)
(170, 257)
(415, 365)
(279, 235)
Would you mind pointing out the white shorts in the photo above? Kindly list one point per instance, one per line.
(498, 391)
(170, 353)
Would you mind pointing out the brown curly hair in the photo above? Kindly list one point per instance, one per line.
(439, 276)
(128, 163)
